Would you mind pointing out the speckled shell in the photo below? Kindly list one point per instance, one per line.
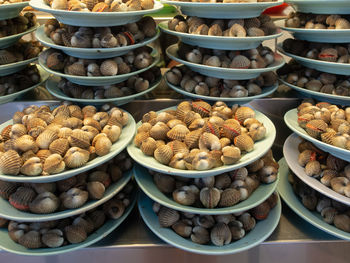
(244, 143)
(201, 107)
(167, 217)
(229, 197)
(179, 132)
(10, 163)
(243, 113)
(316, 127)
(22, 198)
(163, 154)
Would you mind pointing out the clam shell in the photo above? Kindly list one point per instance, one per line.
(200, 235)
(231, 129)
(163, 154)
(179, 132)
(209, 141)
(240, 62)
(53, 164)
(79, 138)
(112, 131)
(185, 195)
(7, 188)
(244, 143)
(46, 138)
(248, 221)
(182, 109)
(192, 138)
(75, 234)
(159, 131)
(32, 167)
(43, 154)
(74, 198)
(201, 107)
(167, 217)
(316, 127)
(22, 198)
(140, 137)
(66, 184)
(53, 238)
(114, 208)
(25, 143)
(230, 155)
(5, 133)
(243, 113)
(10, 162)
(210, 197)
(148, 146)
(178, 147)
(261, 211)
(165, 183)
(76, 157)
(96, 190)
(98, 218)
(17, 130)
(183, 228)
(203, 161)
(44, 203)
(85, 222)
(211, 128)
(31, 239)
(59, 146)
(102, 144)
(220, 235)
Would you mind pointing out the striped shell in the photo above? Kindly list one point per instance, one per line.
(167, 217)
(211, 128)
(22, 198)
(76, 157)
(192, 138)
(75, 234)
(31, 240)
(7, 188)
(140, 137)
(231, 129)
(182, 109)
(46, 138)
(244, 143)
(179, 132)
(79, 138)
(53, 164)
(59, 146)
(10, 163)
(148, 146)
(201, 107)
(163, 154)
(243, 113)
(316, 127)
(229, 197)
(159, 131)
(240, 62)
(44, 203)
(230, 155)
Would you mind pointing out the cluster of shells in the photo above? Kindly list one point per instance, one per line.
(18, 81)
(332, 212)
(227, 1)
(223, 190)
(326, 122)
(316, 21)
(101, 6)
(20, 51)
(100, 37)
(194, 82)
(44, 142)
(133, 85)
(198, 136)
(137, 59)
(250, 27)
(217, 230)
(2, 2)
(71, 193)
(328, 169)
(338, 53)
(314, 80)
(260, 57)
(17, 25)
(72, 230)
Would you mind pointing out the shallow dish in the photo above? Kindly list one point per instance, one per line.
(52, 82)
(317, 35)
(224, 73)
(10, 40)
(91, 53)
(99, 81)
(286, 191)
(8, 11)
(222, 10)
(321, 6)
(145, 182)
(260, 148)
(262, 230)
(117, 147)
(218, 42)
(11, 68)
(94, 19)
(330, 67)
(7, 244)
(291, 119)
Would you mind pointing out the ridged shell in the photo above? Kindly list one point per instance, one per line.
(59, 146)
(240, 62)
(313, 168)
(6, 57)
(210, 197)
(163, 154)
(76, 69)
(114, 208)
(243, 113)
(74, 198)
(190, 116)
(32, 167)
(244, 143)
(316, 127)
(25, 143)
(328, 54)
(201, 107)
(178, 147)
(230, 155)
(5, 133)
(17, 130)
(43, 154)
(75, 234)
(53, 238)
(327, 137)
(179, 132)
(10, 162)
(182, 109)
(192, 138)
(46, 138)
(185, 195)
(96, 190)
(229, 197)
(22, 198)
(76, 157)
(159, 131)
(220, 234)
(261, 211)
(112, 131)
(31, 239)
(109, 68)
(34, 122)
(231, 129)
(211, 128)
(7, 188)
(54, 164)
(167, 217)
(148, 146)
(209, 141)
(44, 203)
(140, 137)
(79, 138)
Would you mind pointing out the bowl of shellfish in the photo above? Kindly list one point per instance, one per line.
(195, 85)
(100, 71)
(325, 125)
(41, 145)
(238, 34)
(68, 234)
(98, 42)
(11, 9)
(321, 6)
(97, 13)
(196, 139)
(118, 94)
(226, 64)
(212, 234)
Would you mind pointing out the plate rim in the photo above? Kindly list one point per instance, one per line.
(29, 30)
(311, 30)
(17, 64)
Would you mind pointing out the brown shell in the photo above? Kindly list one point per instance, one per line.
(31, 240)
(22, 198)
(179, 132)
(316, 127)
(10, 163)
(148, 146)
(192, 138)
(53, 164)
(75, 234)
(163, 154)
(159, 131)
(201, 107)
(79, 138)
(229, 197)
(231, 129)
(43, 154)
(5, 133)
(182, 109)
(244, 143)
(76, 157)
(178, 147)
(7, 188)
(211, 128)
(243, 113)
(190, 116)
(46, 138)
(140, 137)
(59, 146)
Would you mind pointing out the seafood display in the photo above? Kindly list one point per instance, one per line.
(20, 51)
(196, 83)
(17, 25)
(100, 37)
(223, 190)
(250, 27)
(228, 1)
(317, 21)
(42, 141)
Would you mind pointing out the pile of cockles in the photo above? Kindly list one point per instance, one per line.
(331, 211)
(42, 141)
(198, 136)
(18, 81)
(222, 190)
(338, 53)
(217, 230)
(100, 37)
(137, 59)
(6, 2)
(314, 80)
(133, 85)
(71, 230)
(17, 25)
(71, 193)
(227, 1)
(326, 122)
(317, 21)
(249, 27)
(20, 51)
(196, 83)
(100, 5)
(260, 57)
(328, 169)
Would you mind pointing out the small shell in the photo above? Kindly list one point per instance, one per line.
(96, 190)
(182, 109)
(221, 235)
(165, 183)
(74, 198)
(140, 137)
(44, 203)
(31, 239)
(185, 195)
(109, 68)
(210, 197)
(148, 146)
(46, 138)
(243, 113)
(159, 131)
(192, 138)
(112, 131)
(79, 138)
(32, 167)
(328, 214)
(237, 230)
(261, 211)
(229, 197)
(17, 130)
(244, 143)
(231, 129)
(59, 146)
(22, 198)
(10, 163)
(201, 107)
(240, 62)
(200, 235)
(203, 161)
(167, 217)
(248, 221)
(179, 132)
(53, 164)
(7, 188)
(76, 157)
(313, 168)
(209, 141)
(53, 238)
(25, 143)
(163, 154)
(75, 234)
(316, 127)
(102, 144)
(183, 228)
(230, 155)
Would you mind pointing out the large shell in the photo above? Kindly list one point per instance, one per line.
(31, 239)
(75, 234)
(53, 164)
(74, 198)
(159, 131)
(22, 198)
(44, 203)
(210, 197)
(167, 217)
(179, 132)
(32, 167)
(76, 157)
(316, 127)
(201, 107)
(46, 138)
(192, 138)
(10, 163)
(243, 113)
(244, 143)
(163, 154)
(221, 235)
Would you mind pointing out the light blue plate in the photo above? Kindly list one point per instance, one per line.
(11, 68)
(317, 35)
(145, 181)
(286, 191)
(124, 139)
(10, 97)
(8, 11)
(262, 231)
(291, 119)
(51, 86)
(218, 42)
(94, 19)
(260, 148)
(9, 212)
(8, 41)
(321, 6)
(291, 153)
(224, 73)
(98, 81)
(91, 53)
(222, 10)
(330, 67)
(7, 244)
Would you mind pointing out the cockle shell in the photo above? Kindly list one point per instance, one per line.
(328, 54)
(183, 228)
(22, 198)
(243, 113)
(229, 197)
(31, 239)
(64, 132)
(46, 138)
(230, 155)
(165, 183)
(316, 127)
(244, 143)
(74, 198)
(159, 131)
(211, 128)
(76, 157)
(10, 162)
(167, 217)
(261, 211)
(32, 167)
(112, 131)
(79, 138)
(59, 146)
(201, 107)
(231, 129)
(102, 144)
(140, 137)
(182, 109)
(109, 68)
(240, 62)
(163, 154)
(53, 238)
(75, 234)
(248, 221)
(185, 195)
(148, 146)
(98, 218)
(200, 235)
(178, 147)
(96, 190)
(192, 138)
(53, 164)
(209, 141)
(210, 197)
(44, 203)
(25, 143)
(17, 130)
(7, 188)
(220, 234)
(178, 132)
(85, 223)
